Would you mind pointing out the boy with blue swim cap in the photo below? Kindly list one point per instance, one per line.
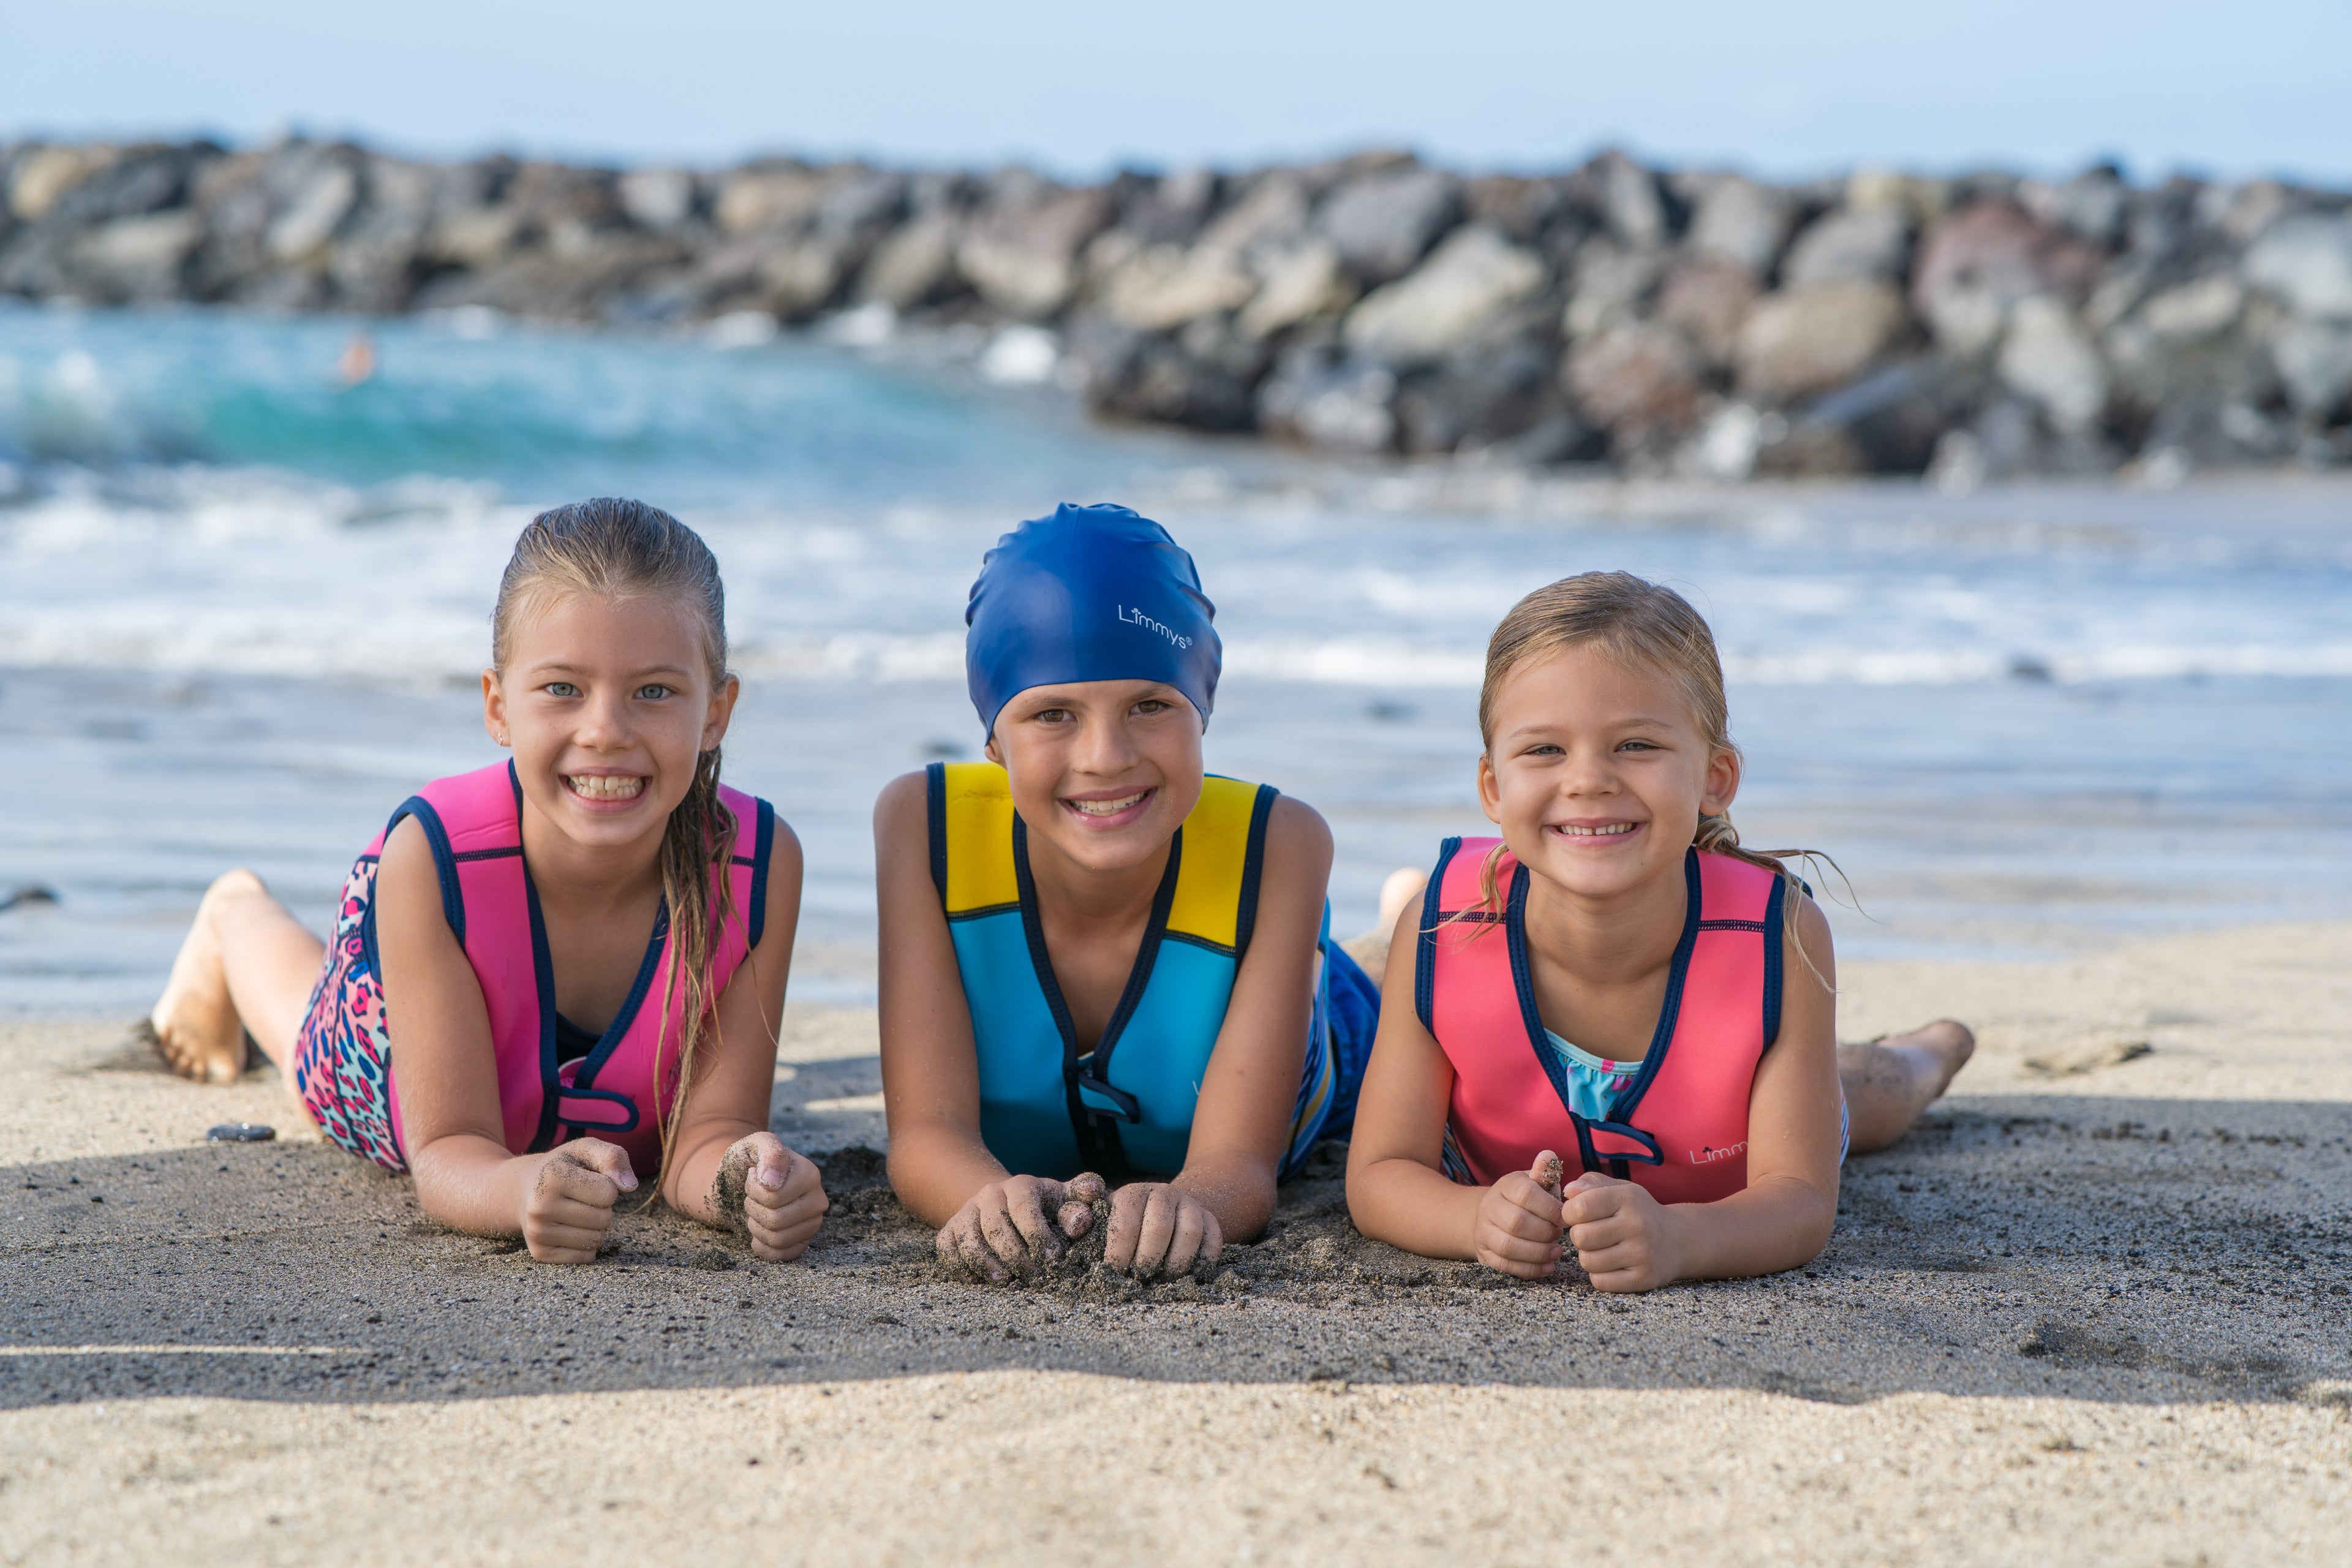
(1101, 964)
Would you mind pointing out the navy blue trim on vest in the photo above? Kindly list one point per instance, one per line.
(935, 813)
(444, 862)
(1774, 934)
(615, 1031)
(755, 921)
(1662, 1038)
(1619, 1121)
(1253, 863)
(1094, 1129)
(1424, 956)
(542, 971)
(552, 1089)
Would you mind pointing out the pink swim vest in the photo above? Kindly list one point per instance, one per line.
(1680, 1126)
(474, 822)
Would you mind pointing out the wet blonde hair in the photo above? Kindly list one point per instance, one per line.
(1642, 626)
(623, 550)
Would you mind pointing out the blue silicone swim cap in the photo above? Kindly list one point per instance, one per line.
(1092, 592)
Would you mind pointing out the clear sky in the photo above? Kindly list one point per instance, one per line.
(2228, 86)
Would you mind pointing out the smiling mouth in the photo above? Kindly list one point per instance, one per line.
(1124, 803)
(604, 787)
(1609, 830)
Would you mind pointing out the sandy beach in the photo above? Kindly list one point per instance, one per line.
(2097, 1307)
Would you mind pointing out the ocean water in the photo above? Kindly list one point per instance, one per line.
(243, 611)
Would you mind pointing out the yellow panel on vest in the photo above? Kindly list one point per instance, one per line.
(980, 838)
(1216, 860)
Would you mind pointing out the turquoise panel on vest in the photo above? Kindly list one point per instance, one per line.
(1024, 1116)
(1163, 1053)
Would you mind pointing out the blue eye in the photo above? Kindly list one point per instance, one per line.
(561, 688)
(653, 693)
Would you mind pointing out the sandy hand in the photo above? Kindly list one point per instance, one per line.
(571, 1203)
(783, 1200)
(1625, 1238)
(1516, 1230)
(1549, 1172)
(1158, 1228)
(1011, 1226)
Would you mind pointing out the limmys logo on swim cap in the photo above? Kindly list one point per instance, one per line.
(1137, 618)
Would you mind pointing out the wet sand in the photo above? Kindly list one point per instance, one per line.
(2098, 1304)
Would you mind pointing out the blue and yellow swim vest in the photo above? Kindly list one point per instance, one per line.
(1124, 1108)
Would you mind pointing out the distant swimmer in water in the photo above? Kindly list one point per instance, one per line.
(580, 951)
(358, 364)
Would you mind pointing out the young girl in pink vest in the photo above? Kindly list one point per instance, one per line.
(580, 952)
(1613, 994)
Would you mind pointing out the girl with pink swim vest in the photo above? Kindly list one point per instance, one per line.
(580, 951)
(1611, 1028)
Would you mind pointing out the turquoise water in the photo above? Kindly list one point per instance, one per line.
(242, 608)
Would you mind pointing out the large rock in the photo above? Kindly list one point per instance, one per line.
(2049, 359)
(913, 265)
(1809, 340)
(1608, 283)
(767, 197)
(134, 182)
(1710, 300)
(1976, 264)
(1522, 209)
(1271, 212)
(1172, 211)
(1633, 377)
(1469, 280)
(2092, 206)
(2314, 363)
(1867, 245)
(1298, 284)
(1743, 223)
(2306, 261)
(1627, 197)
(1494, 389)
(659, 199)
(38, 178)
(1319, 398)
(1382, 224)
(1163, 286)
(2204, 342)
(1889, 422)
(302, 231)
(139, 259)
(1022, 254)
(1202, 377)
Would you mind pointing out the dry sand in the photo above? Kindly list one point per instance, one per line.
(2097, 1308)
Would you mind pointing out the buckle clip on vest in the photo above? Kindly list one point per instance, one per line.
(1590, 1134)
(569, 1093)
(1094, 1091)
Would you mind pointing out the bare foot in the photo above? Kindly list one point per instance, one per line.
(1935, 1053)
(194, 1025)
(1888, 1082)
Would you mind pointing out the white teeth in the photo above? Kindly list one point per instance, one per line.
(1611, 831)
(604, 787)
(1107, 807)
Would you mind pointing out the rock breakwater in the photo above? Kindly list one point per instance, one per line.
(1699, 323)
